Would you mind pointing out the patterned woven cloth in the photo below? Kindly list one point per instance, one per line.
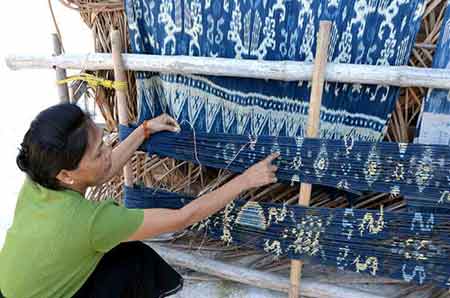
(378, 32)
(414, 170)
(413, 247)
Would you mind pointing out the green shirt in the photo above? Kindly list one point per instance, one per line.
(56, 240)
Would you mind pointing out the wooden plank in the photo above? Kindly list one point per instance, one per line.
(312, 131)
(310, 288)
(63, 91)
(120, 75)
(402, 76)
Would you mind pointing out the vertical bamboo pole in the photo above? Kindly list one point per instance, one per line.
(120, 75)
(63, 91)
(312, 131)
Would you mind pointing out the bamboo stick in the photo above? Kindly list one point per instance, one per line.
(251, 277)
(402, 76)
(312, 130)
(63, 91)
(119, 75)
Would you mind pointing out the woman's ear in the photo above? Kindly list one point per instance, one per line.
(65, 177)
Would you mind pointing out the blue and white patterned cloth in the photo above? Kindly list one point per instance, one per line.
(377, 32)
(419, 171)
(412, 246)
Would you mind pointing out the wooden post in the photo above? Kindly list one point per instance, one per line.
(63, 91)
(312, 131)
(120, 75)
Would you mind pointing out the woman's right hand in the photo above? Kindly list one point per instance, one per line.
(261, 173)
(161, 123)
(159, 221)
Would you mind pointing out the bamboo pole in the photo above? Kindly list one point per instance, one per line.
(310, 288)
(402, 76)
(63, 91)
(312, 131)
(120, 75)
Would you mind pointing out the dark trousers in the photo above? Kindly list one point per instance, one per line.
(131, 270)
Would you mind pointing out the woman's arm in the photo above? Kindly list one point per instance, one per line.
(159, 221)
(125, 150)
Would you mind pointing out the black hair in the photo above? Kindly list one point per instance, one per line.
(57, 139)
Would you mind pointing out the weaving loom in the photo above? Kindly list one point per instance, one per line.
(413, 247)
(233, 122)
(271, 30)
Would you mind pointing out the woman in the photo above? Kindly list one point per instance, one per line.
(62, 245)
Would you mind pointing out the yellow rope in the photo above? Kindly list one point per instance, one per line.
(94, 81)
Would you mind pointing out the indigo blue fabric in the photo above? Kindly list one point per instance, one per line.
(413, 247)
(414, 170)
(376, 32)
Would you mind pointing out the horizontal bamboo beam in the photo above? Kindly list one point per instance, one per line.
(252, 277)
(403, 76)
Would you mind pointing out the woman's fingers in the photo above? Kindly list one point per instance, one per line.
(263, 172)
(165, 122)
(167, 119)
(270, 168)
(170, 128)
(171, 122)
(271, 175)
(272, 157)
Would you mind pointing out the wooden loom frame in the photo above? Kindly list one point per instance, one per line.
(402, 76)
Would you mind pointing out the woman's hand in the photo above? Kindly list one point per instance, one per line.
(161, 123)
(261, 173)
(159, 221)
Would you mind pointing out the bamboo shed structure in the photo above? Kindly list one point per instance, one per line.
(240, 263)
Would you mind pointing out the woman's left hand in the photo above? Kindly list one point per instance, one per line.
(161, 123)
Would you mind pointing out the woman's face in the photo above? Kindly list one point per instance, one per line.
(96, 162)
